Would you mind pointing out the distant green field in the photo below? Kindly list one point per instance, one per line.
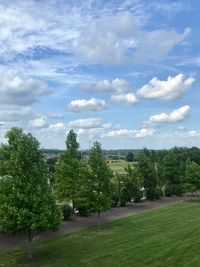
(119, 166)
(164, 237)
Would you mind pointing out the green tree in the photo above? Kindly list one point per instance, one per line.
(173, 170)
(72, 145)
(191, 181)
(129, 156)
(100, 180)
(132, 184)
(146, 171)
(68, 171)
(119, 198)
(83, 202)
(27, 204)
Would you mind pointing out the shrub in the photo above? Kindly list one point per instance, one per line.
(177, 190)
(151, 193)
(138, 194)
(159, 193)
(83, 211)
(66, 211)
(168, 191)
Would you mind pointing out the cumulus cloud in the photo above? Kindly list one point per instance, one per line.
(85, 123)
(145, 132)
(40, 122)
(177, 115)
(194, 133)
(128, 99)
(117, 86)
(15, 113)
(57, 129)
(57, 126)
(18, 90)
(170, 89)
(83, 105)
(126, 41)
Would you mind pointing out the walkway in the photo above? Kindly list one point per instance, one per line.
(79, 223)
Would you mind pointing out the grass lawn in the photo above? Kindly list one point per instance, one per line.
(168, 236)
(119, 166)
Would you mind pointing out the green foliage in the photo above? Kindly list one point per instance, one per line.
(132, 184)
(129, 156)
(66, 211)
(51, 162)
(84, 203)
(68, 171)
(100, 179)
(168, 190)
(72, 145)
(191, 181)
(159, 193)
(27, 204)
(173, 168)
(147, 172)
(118, 185)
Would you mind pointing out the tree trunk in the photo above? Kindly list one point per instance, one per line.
(98, 222)
(30, 239)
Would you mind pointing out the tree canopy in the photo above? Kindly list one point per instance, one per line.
(27, 204)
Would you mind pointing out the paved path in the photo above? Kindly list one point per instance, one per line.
(78, 223)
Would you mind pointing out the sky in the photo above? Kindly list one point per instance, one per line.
(122, 72)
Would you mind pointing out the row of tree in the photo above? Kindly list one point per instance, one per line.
(31, 201)
(32, 196)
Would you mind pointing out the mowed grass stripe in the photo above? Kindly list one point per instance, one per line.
(168, 236)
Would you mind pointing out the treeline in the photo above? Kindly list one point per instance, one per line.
(35, 197)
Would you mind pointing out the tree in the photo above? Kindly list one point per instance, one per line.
(68, 171)
(146, 171)
(100, 180)
(118, 186)
(173, 169)
(72, 145)
(27, 204)
(83, 201)
(132, 184)
(129, 156)
(191, 181)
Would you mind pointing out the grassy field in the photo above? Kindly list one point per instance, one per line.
(119, 166)
(168, 236)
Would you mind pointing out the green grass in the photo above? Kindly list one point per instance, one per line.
(168, 236)
(119, 166)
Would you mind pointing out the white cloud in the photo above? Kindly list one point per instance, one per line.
(55, 116)
(17, 90)
(83, 105)
(103, 33)
(119, 40)
(128, 99)
(145, 132)
(170, 89)
(57, 129)
(194, 133)
(85, 123)
(57, 126)
(173, 117)
(193, 61)
(40, 122)
(15, 113)
(117, 86)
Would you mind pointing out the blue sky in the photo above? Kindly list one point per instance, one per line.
(125, 73)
